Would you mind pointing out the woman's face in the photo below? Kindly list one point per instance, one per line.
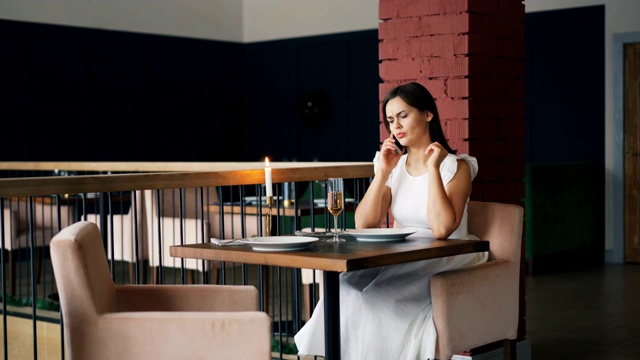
(409, 125)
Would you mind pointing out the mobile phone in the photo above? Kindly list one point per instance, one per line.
(399, 146)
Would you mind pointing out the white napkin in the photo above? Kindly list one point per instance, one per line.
(230, 242)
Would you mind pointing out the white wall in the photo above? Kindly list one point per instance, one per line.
(225, 20)
(279, 19)
(206, 19)
(259, 20)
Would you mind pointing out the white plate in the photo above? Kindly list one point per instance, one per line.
(279, 243)
(381, 235)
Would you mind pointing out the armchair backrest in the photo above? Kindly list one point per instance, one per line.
(500, 224)
(82, 275)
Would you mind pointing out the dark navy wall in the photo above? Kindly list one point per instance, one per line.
(80, 94)
(315, 98)
(565, 89)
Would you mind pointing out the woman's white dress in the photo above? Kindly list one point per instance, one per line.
(385, 312)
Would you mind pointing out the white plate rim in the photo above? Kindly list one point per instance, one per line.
(279, 243)
(381, 234)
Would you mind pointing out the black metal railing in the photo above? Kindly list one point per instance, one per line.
(138, 225)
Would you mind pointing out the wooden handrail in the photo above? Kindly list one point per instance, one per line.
(175, 175)
(163, 166)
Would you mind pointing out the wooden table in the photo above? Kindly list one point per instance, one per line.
(334, 258)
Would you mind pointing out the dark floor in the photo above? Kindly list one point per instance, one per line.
(586, 314)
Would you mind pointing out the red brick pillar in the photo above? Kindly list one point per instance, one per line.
(470, 55)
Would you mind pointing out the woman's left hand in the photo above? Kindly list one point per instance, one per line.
(435, 154)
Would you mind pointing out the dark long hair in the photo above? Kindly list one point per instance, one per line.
(419, 97)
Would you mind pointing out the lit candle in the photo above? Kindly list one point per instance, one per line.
(267, 177)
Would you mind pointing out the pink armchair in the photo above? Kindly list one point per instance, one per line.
(479, 305)
(104, 321)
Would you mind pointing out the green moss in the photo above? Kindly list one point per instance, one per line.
(41, 304)
(287, 348)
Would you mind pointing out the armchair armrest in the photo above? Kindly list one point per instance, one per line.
(181, 335)
(486, 293)
(187, 298)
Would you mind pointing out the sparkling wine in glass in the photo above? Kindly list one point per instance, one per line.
(335, 202)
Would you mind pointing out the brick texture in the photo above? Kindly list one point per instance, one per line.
(470, 55)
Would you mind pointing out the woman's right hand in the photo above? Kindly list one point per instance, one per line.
(389, 155)
(374, 206)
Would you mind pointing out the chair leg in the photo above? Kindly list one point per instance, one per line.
(509, 349)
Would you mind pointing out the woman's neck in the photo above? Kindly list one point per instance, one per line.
(416, 163)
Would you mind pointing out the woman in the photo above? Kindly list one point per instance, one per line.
(385, 313)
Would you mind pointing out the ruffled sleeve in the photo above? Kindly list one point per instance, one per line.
(449, 166)
(376, 162)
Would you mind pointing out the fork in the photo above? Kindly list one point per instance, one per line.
(230, 242)
(220, 242)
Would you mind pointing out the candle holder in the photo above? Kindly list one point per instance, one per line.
(268, 220)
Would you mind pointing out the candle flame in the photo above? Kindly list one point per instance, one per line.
(266, 162)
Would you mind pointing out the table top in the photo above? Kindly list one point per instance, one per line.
(343, 256)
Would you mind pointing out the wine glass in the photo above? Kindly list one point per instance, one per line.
(335, 201)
